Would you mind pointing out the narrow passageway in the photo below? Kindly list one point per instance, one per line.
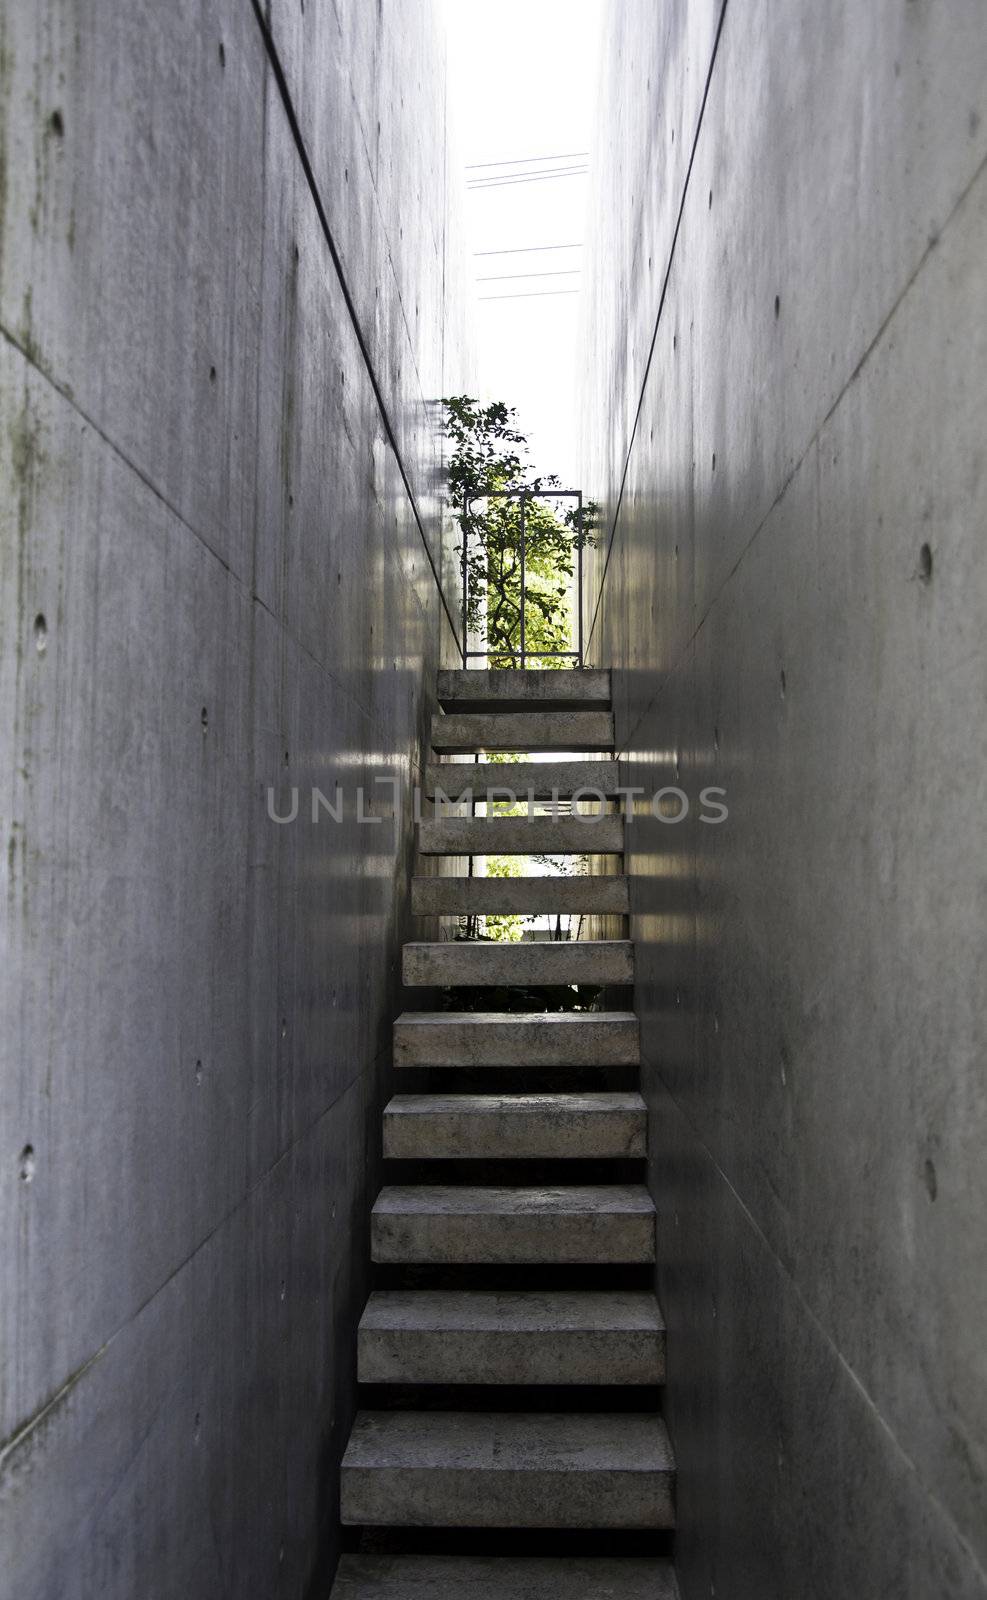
(513, 1355)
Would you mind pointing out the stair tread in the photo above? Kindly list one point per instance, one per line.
(588, 1103)
(568, 945)
(469, 732)
(504, 1578)
(516, 1038)
(518, 777)
(512, 1441)
(514, 1019)
(494, 1311)
(480, 962)
(603, 895)
(512, 1200)
(526, 1126)
(496, 1337)
(515, 688)
(507, 836)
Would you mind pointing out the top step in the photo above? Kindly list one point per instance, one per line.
(427, 1577)
(509, 689)
(461, 732)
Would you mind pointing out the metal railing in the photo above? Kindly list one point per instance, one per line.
(522, 655)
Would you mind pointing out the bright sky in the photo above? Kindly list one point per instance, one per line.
(522, 82)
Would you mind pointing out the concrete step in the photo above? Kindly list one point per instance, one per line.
(507, 1470)
(547, 1127)
(485, 962)
(504, 1578)
(511, 689)
(447, 1336)
(522, 836)
(582, 1223)
(542, 780)
(522, 730)
(454, 897)
(517, 1039)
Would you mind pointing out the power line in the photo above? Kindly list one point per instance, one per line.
(496, 277)
(523, 161)
(537, 177)
(533, 294)
(525, 249)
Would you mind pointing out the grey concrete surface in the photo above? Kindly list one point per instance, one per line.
(503, 1578)
(517, 1470)
(213, 580)
(516, 1039)
(480, 1337)
(535, 688)
(542, 780)
(429, 1127)
(522, 731)
(469, 962)
(577, 1223)
(792, 605)
(596, 895)
(593, 834)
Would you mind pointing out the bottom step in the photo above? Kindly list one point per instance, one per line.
(483, 1469)
(503, 1578)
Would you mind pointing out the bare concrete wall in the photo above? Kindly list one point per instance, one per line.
(229, 297)
(784, 417)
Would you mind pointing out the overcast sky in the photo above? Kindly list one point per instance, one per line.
(523, 80)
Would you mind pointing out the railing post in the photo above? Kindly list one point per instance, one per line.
(465, 576)
(579, 577)
(523, 554)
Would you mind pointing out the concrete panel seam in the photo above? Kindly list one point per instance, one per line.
(245, 589)
(823, 1333)
(24, 1429)
(661, 306)
(930, 249)
(309, 174)
(121, 454)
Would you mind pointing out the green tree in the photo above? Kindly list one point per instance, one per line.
(486, 472)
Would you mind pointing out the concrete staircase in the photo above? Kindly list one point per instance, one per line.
(513, 1248)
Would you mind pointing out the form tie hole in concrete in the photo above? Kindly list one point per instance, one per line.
(204, 718)
(26, 1164)
(925, 563)
(675, 341)
(783, 682)
(931, 1179)
(56, 123)
(222, 54)
(714, 460)
(283, 1290)
(198, 1072)
(212, 374)
(40, 634)
(291, 501)
(709, 204)
(777, 306)
(284, 1027)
